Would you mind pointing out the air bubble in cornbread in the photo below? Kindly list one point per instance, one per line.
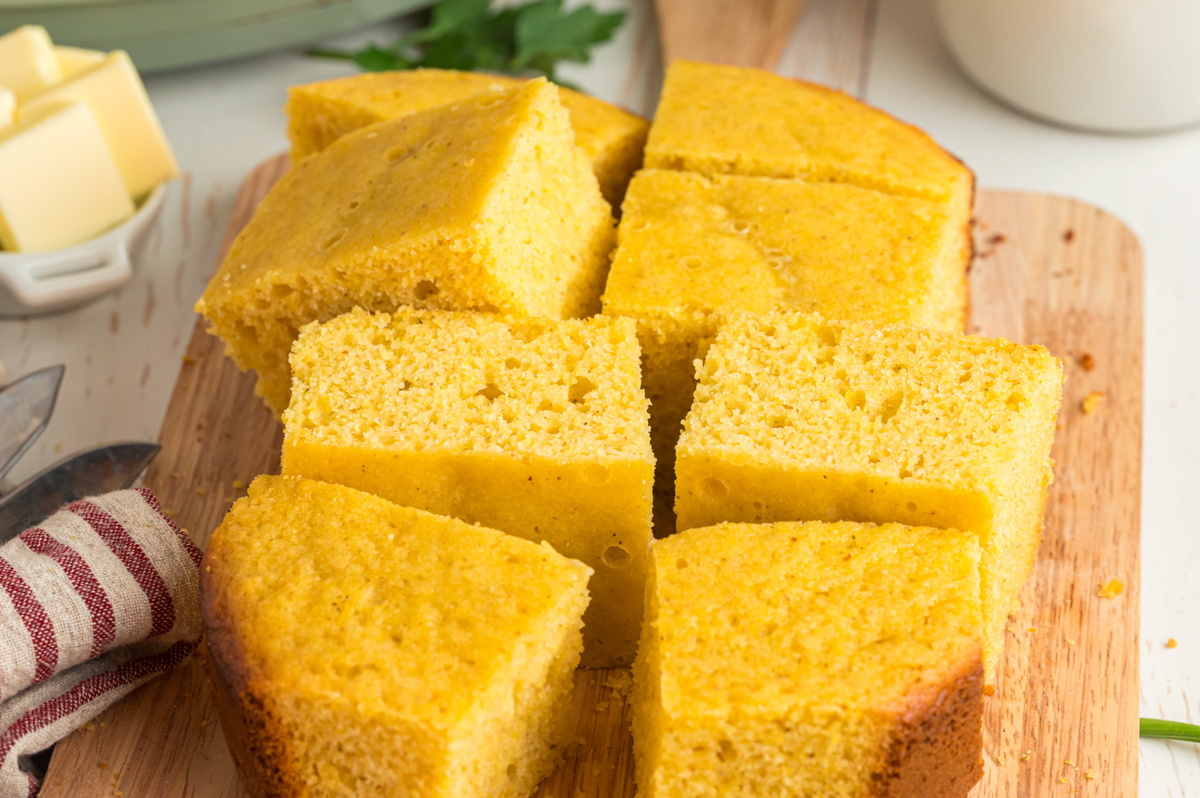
(535, 427)
(692, 249)
(357, 642)
(485, 205)
(840, 660)
(320, 113)
(798, 418)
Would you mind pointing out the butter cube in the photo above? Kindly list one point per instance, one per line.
(8, 108)
(27, 62)
(74, 60)
(58, 183)
(116, 96)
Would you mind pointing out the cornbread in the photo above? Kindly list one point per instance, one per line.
(531, 426)
(716, 119)
(320, 113)
(485, 205)
(693, 248)
(810, 659)
(361, 648)
(799, 419)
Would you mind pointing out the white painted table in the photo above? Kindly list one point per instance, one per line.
(123, 351)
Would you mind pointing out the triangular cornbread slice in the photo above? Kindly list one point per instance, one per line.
(691, 249)
(717, 119)
(535, 427)
(484, 205)
(798, 418)
(810, 659)
(363, 648)
(320, 113)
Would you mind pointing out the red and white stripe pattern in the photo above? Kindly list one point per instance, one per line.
(101, 597)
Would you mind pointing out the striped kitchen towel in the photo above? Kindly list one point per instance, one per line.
(100, 598)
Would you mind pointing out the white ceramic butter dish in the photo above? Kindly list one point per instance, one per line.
(34, 283)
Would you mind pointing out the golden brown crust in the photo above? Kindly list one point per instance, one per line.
(937, 747)
(252, 733)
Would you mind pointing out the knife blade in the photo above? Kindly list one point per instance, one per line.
(91, 472)
(25, 408)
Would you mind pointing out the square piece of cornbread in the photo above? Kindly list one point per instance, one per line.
(840, 660)
(320, 113)
(358, 647)
(484, 205)
(798, 418)
(691, 249)
(534, 427)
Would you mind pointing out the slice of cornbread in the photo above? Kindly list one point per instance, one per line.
(810, 659)
(800, 419)
(534, 427)
(361, 648)
(716, 119)
(320, 113)
(485, 205)
(693, 248)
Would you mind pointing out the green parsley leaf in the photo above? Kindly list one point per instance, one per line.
(545, 35)
(465, 34)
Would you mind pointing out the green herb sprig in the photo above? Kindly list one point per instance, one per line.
(465, 34)
(1169, 730)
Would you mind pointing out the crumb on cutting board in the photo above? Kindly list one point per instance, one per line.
(1091, 402)
(1086, 361)
(1112, 589)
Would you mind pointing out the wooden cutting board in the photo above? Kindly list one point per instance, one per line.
(1064, 719)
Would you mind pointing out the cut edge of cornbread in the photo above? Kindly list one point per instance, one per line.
(728, 729)
(298, 261)
(996, 486)
(520, 714)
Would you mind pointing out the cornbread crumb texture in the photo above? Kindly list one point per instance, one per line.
(810, 659)
(320, 113)
(801, 418)
(484, 205)
(717, 119)
(532, 426)
(369, 649)
(692, 249)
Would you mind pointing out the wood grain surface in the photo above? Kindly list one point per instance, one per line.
(1048, 270)
(740, 32)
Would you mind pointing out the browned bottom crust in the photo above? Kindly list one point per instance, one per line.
(937, 748)
(246, 724)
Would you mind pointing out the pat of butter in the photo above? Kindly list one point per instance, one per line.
(116, 96)
(59, 185)
(27, 62)
(74, 60)
(8, 108)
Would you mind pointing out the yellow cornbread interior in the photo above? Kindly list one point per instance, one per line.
(715, 119)
(691, 249)
(485, 205)
(786, 659)
(798, 418)
(378, 650)
(531, 426)
(320, 113)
